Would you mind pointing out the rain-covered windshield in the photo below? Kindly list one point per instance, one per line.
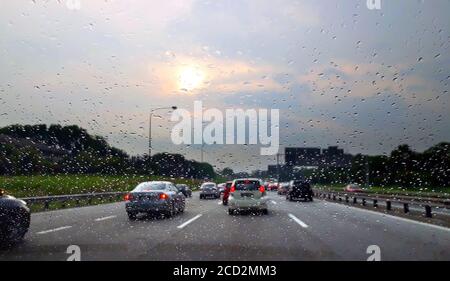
(225, 130)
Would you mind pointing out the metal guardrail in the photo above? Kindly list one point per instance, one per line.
(353, 198)
(363, 199)
(77, 198)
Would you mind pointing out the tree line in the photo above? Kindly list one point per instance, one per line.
(402, 167)
(56, 149)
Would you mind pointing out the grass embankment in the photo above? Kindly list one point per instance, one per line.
(442, 192)
(34, 186)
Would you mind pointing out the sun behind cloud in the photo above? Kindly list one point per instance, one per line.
(190, 78)
(211, 75)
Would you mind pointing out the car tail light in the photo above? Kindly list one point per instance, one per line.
(233, 188)
(163, 196)
(262, 189)
(128, 197)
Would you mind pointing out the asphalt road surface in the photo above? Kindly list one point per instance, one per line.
(316, 230)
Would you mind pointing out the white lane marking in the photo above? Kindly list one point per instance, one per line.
(105, 218)
(297, 220)
(220, 202)
(189, 221)
(54, 229)
(395, 217)
(273, 202)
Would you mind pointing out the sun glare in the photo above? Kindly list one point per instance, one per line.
(190, 78)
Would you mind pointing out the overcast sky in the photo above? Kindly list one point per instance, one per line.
(340, 74)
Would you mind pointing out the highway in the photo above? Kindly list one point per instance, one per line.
(316, 230)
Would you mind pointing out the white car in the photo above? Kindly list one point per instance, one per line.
(247, 194)
(209, 189)
(353, 187)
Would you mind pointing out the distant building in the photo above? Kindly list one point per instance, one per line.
(332, 156)
(302, 156)
(300, 159)
(335, 157)
(272, 170)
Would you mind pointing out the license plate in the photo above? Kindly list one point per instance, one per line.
(247, 195)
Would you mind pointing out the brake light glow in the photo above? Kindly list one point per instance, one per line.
(262, 189)
(163, 196)
(128, 197)
(233, 188)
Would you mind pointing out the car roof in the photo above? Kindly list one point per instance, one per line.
(248, 179)
(149, 182)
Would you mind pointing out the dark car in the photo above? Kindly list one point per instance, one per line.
(209, 190)
(299, 190)
(226, 192)
(184, 188)
(14, 218)
(154, 197)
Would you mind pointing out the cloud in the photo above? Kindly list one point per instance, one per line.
(219, 76)
(135, 15)
(104, 66)
(345, 79)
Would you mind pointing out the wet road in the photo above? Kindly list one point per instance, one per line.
(316, 230)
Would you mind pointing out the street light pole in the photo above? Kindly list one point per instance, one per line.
(150, 134)
(203, 146)
(278, 166)
(150, 127)
(201, 156)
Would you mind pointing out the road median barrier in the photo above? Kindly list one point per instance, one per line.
(404, 203)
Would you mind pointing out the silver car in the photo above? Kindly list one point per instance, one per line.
(221, 187)
(247, 194)
(154, 197)
(209, 189)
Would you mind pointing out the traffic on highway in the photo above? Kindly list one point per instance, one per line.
(156, 221)
(233, 138)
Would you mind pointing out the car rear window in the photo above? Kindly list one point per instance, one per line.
(150, 186)
(247, 185)
(208, 185)
(302, 185)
